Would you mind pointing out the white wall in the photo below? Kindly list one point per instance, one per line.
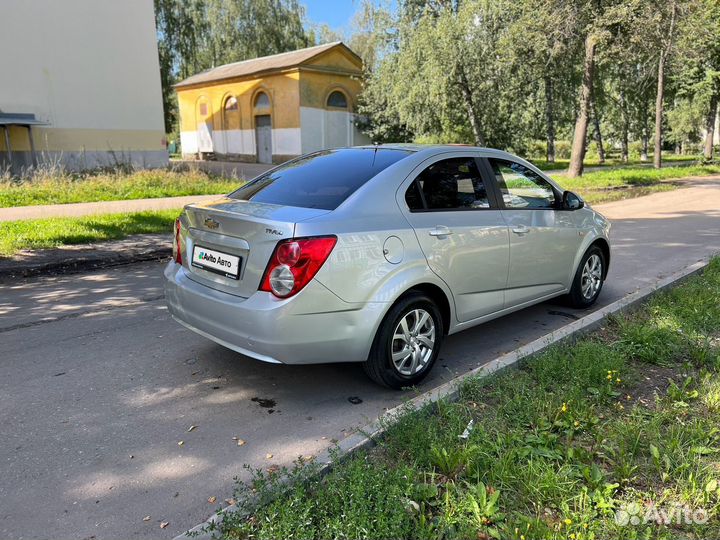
(323, 129)
(285, 141)
(90, 64)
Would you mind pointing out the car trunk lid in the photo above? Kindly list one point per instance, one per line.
(231, 229)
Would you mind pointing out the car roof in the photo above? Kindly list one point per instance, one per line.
(429, 148)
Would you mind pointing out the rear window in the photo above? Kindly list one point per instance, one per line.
(320, 180)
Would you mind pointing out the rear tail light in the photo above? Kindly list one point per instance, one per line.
(177, 243)
(294, 263)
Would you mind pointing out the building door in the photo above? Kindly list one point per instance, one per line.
(263, 138)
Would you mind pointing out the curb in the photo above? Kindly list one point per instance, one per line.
(450, 390)
(77, 258)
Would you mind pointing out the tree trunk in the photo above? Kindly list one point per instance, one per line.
(470, 108)
(581, 123)
(597, 135)
(624, 128)
(657, 158)
(645, 134)
(549, 121)
(710, 127)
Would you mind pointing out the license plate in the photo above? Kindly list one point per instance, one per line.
(216, 261)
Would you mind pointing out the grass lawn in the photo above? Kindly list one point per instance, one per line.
(573, 444)
(60, 188)
(54, 232)
(625, 183)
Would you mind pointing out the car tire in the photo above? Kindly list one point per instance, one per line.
(589, 279)
(400, 355)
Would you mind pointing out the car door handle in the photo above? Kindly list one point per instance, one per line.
(440, 230)
(522, 229)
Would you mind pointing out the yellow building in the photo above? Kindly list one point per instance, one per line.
(80, 84)
(274, 108)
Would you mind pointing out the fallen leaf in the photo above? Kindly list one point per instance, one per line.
(191, 428)
(240, 442)
(268, 456)
(230, 501)
(272, 469)
(180, 443)
(164, 524)
(212, 499)
(146, 518)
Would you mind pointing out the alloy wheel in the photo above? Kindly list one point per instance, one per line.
(413, 342)
(591, 278)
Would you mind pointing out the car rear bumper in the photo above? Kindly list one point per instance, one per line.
(313, 327)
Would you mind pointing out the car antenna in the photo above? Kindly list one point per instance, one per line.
(375, 144)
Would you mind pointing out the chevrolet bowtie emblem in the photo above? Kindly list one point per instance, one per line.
(210, 223)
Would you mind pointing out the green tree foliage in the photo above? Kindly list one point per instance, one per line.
(512, 73)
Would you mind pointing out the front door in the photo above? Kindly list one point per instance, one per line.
(263, 138)
(543, 239)
(462, 233)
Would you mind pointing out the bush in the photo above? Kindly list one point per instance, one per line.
(635, 149)
(537, 149)
(563, 149)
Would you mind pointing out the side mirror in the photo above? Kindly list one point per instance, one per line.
(571, 201)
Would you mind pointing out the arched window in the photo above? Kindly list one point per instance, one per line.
(231, 113)
(337, 100)
(231, 104)
(262, 101)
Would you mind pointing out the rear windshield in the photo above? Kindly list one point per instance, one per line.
(321, 180)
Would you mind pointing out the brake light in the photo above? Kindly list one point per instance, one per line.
(177, 243)
(294, 263)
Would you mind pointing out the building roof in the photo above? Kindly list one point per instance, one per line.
(19, 119)
(275, 62)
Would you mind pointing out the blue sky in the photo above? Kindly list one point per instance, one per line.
(335, 13)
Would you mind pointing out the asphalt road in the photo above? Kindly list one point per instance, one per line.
(98, 386)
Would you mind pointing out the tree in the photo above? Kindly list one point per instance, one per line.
(577, 156)
(178, 37)
(666, 18)
(698, 63)
(542, 46)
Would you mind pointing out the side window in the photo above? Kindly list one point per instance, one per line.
(521, 187)
(449, 184)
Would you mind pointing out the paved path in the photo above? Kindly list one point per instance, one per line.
(98, 385)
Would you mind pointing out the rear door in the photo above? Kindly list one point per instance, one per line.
(543, 238)
(461, 231)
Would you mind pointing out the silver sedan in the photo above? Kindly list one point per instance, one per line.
(374, 254)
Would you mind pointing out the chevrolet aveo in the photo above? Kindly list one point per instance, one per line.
(374, 254)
